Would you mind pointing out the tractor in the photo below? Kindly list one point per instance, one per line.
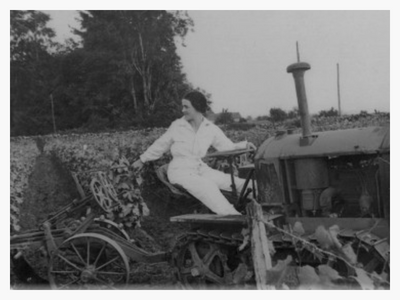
(318, 191)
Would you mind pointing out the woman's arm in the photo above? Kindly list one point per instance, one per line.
(157, 149)
(222, 143)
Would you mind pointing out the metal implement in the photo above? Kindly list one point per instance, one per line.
(82, 251)
(209, 259)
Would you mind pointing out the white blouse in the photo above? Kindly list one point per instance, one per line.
(187, 146)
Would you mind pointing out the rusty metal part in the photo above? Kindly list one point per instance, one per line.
(87, 261)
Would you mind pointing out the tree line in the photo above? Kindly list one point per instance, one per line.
(278, 115)
(124, 72)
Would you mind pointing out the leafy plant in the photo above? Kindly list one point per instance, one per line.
(127, 184)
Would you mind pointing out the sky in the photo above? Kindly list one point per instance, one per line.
(240, 57)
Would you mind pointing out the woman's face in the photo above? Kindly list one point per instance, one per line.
(189, 112)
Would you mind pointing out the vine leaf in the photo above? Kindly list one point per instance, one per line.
(278, 272)
(327, 274)
(327, 239)
(139, 180)
(348, 254)
(363, 279)
(123, 185)
(126, 209)
(379, 279)
(307, 276)
(135, 210)
(298, 229)
(145, 209)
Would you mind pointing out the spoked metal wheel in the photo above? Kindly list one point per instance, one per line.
(89, 261)
(114, 227)
(104, 192)
(205, 265)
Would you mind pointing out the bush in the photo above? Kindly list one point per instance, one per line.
(240, 126)
(294, 113)
(277, 114)
(224, 118)
(328, 113)
(262, 118)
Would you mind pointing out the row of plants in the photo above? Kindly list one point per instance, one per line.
(84, 154)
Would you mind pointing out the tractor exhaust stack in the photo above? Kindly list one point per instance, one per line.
(298, 69)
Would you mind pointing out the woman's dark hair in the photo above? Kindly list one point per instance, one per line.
(198, 101)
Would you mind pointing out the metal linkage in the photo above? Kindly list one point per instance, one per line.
(207, 259)
(69, 210)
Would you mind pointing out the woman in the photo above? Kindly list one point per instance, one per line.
(188, 139)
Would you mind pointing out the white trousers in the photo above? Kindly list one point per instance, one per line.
(205, 183)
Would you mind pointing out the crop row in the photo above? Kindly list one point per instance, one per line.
(83, 153)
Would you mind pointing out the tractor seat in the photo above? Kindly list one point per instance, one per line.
(176, 189)
(179, 191)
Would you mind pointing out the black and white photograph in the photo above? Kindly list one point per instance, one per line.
(200, 149)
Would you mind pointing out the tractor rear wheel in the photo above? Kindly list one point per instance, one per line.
(204, 264)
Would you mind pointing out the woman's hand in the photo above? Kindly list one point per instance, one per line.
(138, 165)
(251, 146)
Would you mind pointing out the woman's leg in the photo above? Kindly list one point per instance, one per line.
(223, 180)
(204, 189)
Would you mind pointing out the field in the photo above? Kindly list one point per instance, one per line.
(41, 183)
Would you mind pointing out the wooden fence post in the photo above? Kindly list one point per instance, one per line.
(259, 246)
